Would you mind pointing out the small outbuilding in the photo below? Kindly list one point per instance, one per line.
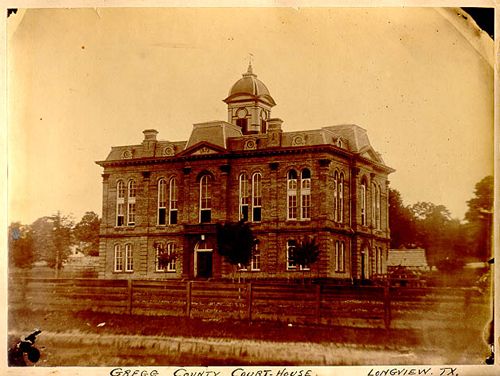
(412, 259)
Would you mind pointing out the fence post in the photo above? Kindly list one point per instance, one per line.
(387, 307)
(129, 303)
(318, 303)
(188, 299)
(249, 301)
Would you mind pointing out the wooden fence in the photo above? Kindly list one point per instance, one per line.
(294, 303)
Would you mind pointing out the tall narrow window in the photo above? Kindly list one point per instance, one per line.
(256, 197)
(335, 196)
(341, 198)
(363, 202)
(131, 202)
(380, 260)
(339, 256)
(290, 246)
(255, 262)
(378, 208)
(342, 256)
(118, 259)
(160, 249)
(120, 203)
(129, 260)
(162, 203)
(172, 219)
(244, 197)
(292, 195)
(171, 253)
(205, 199)
(305, 194)
(374, 205)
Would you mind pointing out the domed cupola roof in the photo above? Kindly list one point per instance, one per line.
(249, 88)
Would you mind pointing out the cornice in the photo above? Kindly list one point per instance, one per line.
(236, 154)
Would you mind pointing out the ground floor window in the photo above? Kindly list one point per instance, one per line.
(129, 260)
(339, 256)
(379, 254)
(118, 267)
(255, 262)
(166, 257)
(290, 263)
(290, 247)
(123, 261)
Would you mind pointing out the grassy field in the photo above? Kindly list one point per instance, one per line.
(98, 339)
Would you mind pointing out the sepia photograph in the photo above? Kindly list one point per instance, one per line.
(250, 190)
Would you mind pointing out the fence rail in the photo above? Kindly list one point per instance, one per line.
(310, 303)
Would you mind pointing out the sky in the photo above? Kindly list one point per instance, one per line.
(419, 80)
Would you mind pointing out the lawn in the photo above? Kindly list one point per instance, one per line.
(146, 340)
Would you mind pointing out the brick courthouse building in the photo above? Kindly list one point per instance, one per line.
(162, 196)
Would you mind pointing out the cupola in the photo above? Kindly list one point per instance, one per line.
(249, 104)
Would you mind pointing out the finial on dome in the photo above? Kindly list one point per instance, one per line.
(250, 68)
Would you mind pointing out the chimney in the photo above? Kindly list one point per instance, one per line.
(274, 124)
(149, 139)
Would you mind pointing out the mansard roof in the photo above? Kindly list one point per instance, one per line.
(223, 138)
(214, 132)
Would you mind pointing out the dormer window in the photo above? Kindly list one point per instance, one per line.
(339, 142)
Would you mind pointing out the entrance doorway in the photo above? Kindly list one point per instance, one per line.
(202, 260)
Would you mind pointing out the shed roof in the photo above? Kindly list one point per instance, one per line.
(409, 258)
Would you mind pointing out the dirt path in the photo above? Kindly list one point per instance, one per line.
(84, 349)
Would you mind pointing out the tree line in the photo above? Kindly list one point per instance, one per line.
(51, 238)
(448, 242)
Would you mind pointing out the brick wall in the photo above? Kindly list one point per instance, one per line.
(273, 231)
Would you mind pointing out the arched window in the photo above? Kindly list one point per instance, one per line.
(118, 259)
(335, 196)
(378, 208)
(172, 198)
(340, 209)
(374, 205)
(362, 198)
(120, 203)
(244, 197)
(205, 199)
(292, 195)
(162, 202)
(131, 202)
(305, 194)
(257, 197)
(129, 260)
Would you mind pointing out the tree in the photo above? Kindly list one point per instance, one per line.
(305, 253)
(86, 234)
(235, 242)
(479, 217)
(438, 233)
(21, 253)
(52, 239)
(401, 222)
(165, 256)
